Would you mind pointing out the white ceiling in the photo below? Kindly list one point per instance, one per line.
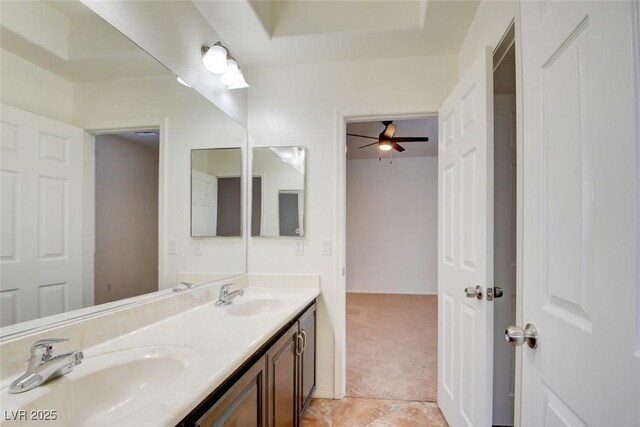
(266, 32)
(68, 39)
(415, 127)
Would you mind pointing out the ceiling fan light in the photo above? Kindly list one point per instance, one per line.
(215, 58)
(384, 146)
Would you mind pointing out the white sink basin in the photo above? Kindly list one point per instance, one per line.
(254, 306)
(108, 388)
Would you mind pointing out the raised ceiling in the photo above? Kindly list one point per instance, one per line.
(265, 32)
(412, 127)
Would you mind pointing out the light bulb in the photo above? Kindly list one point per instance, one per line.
(182, 82)
(384, 146)
(232, 75)
(238, 85)
(233, 78)
(215, 59)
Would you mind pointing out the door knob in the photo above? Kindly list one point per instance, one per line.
(516, 336)
(472, 292)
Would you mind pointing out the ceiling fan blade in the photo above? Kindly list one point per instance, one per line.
(362, 136)
(389, 130)
(397, 147)
(410, 139)
(368, 145)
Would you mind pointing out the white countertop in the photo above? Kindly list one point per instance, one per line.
(205, 345)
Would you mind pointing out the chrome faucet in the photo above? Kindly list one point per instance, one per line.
(183, 286)
(226, 297)
(43, 366)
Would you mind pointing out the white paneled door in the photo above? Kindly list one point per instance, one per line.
(580, 277)
(41, 216)
(465, 249)
(204, 204)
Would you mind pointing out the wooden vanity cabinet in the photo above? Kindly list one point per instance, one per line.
(243, 405)
(291, 372)
(275, 390)
(306, 360)
(282, 364)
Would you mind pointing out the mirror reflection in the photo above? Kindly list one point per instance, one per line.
(95, 143)
(216, 192)
(278, 191)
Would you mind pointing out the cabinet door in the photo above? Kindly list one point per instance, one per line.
(281, 369)
(307, 370)
(243, 405)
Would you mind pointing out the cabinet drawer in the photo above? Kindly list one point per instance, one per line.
(243, 404)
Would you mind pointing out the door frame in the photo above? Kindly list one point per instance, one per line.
(345, 116)
(108, 127)
(512, 32)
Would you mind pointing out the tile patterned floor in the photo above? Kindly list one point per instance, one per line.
(356, 412)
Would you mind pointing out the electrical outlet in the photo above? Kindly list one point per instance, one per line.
(299, 248)
(173, 247)
(326, 247)
(198, 250)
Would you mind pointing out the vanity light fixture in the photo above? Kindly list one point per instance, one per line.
(218, 60)
(239, 84)
(233, 78)
(182, 82)
(214, 58)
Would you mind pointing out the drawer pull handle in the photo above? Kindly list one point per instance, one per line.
(299, 349)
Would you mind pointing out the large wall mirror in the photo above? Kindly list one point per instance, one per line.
(278, 191)
(216, 192)
(96, 142)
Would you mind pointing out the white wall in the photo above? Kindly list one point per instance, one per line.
(392, 226)
(224, 163)
(34, 89)
(489, 25)
(299, 105)
(193, 122)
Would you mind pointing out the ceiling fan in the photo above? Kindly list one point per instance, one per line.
(386, 141)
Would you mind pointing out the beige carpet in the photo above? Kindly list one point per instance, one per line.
(392, 346)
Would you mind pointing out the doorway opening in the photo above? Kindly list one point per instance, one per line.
(391, 259)
(504, 227)
(126, 209)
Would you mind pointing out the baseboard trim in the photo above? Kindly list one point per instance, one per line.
(319, 394)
